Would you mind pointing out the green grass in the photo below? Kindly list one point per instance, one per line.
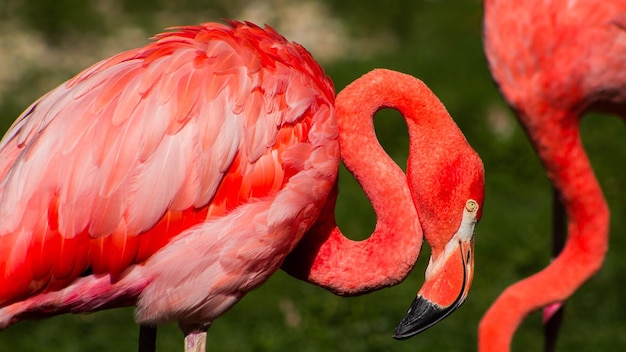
(439, 42)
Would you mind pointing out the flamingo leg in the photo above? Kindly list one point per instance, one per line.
(195, 337)
(147, 338)
(195, 342)
(553, 314)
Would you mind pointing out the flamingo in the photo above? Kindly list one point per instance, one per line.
(553, 61)
(178, 177)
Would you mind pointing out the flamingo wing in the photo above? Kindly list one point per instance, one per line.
(104, 171)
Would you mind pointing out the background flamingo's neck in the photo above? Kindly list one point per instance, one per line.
(560, 148)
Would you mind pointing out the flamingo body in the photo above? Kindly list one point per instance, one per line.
(178, 175)
(553, 61)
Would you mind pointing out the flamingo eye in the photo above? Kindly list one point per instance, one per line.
(471, 205)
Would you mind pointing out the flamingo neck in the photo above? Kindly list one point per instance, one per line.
(325, 256)
(560, 148)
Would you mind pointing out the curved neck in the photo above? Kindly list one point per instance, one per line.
(557, 141)
(555, 134)
(325, 256)
(560, 148)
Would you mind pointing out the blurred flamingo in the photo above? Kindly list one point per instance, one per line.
(177, 177)
(553, 61)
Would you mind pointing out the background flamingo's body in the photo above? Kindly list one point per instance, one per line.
(553, 61)
(178, 175)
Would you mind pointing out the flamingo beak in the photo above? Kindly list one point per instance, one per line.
(448, 279)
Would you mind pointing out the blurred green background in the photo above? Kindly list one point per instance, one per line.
(44, 43)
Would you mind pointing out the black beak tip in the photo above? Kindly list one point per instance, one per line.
(422, 314)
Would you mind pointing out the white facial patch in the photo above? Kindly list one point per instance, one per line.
(463, 234)
(468, 221)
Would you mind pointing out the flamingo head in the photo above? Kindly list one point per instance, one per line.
(448, 190)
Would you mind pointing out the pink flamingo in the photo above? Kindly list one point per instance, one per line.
(177, 177)
(553, 61)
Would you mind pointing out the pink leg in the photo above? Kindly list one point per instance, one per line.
(195, 337)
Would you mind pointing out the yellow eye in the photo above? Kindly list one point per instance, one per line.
(471, 205)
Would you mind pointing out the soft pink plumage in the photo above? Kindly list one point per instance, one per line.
(138, 168)
(178, 177)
